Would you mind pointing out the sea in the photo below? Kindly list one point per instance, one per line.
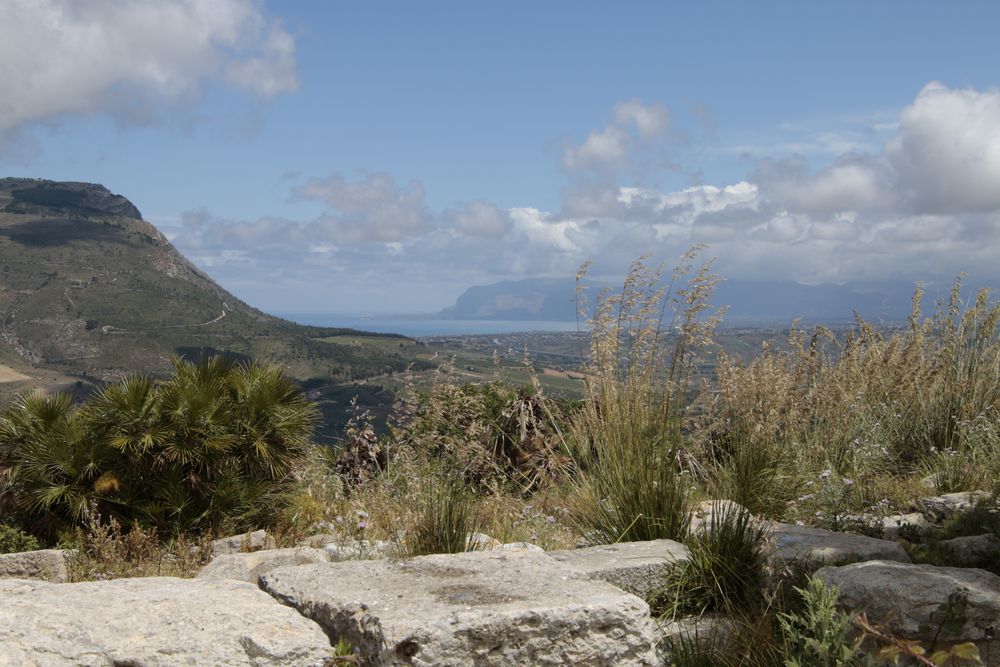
(417, 327)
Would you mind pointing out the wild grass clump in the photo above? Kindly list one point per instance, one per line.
(105, 550)
(725, 571)
(625, 441)
(445, 519)
(874, 407)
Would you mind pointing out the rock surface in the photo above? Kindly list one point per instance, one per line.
(152, 622)
(45, 564)
(235, 544)
(939, 508)
(478, 608)
(711, 631)
(910, 526)
(924, 601)
(973, 550)
(358, 550)
(249, 566)
(799, 549)
(636, 567)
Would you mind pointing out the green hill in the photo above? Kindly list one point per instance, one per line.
(90, 290)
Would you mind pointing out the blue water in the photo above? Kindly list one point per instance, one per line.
(427, 327)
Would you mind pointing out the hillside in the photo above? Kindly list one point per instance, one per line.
(90, 290)
(746, 301)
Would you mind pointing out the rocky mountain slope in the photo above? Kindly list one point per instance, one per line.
(88, 288)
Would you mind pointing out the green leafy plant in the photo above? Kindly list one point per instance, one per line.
(818, 634)
(14, 539)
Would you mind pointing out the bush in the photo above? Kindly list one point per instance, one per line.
(13, 540)
(211, 448)
(818, 635)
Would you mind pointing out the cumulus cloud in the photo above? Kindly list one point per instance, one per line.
(858, 216)
(947, 152)
(60, 57)
(480, 219)
(635, 124)
(372, 208)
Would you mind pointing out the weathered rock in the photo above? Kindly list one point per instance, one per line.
(636, 567)
(235, 544)
(939, 508)
(46, 564)
(912, 526)
(359, 550)
(711, 631)
(702, 514)
(319, 540)
(923, 602)
(149, 622)
(477, 608)
(973, 550)
(800, 549)
(249, 566)
(518, 546)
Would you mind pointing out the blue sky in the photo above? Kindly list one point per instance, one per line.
(382, 157)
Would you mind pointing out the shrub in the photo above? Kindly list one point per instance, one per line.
(819, 634)
(211, 448)
(13, 540)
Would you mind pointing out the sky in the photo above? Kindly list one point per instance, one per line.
(381, 157)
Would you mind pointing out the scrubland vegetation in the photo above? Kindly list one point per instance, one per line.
(831, 431)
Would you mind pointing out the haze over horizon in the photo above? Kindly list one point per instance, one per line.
(383, 157)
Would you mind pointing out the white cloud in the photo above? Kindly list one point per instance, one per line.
(60, 57)
(635, 124)
(947, 152)
(480, 219)
(649, 120)
(372, 208)
(601, 149)
(854, 217)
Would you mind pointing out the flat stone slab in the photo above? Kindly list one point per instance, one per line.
(249, 566)
(801, 548)
(479, 608)
(945, 506)
(915, 599)
(636, 567)
(235, 544)
(152, 622)
(45, 564)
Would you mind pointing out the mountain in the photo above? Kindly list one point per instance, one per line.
(747, 301)
(90, 289)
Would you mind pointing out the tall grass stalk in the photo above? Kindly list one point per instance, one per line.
(625, 441)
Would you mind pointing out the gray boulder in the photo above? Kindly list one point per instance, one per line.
(152, 622)
(359, 550)
(939, 508)
(636, 567)
(249, 566)
(478, 608)
(235, 544)
(800, 549)
(46, 565)
(912, 525)
(708, 632)
(925, 602)
(973, 550)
